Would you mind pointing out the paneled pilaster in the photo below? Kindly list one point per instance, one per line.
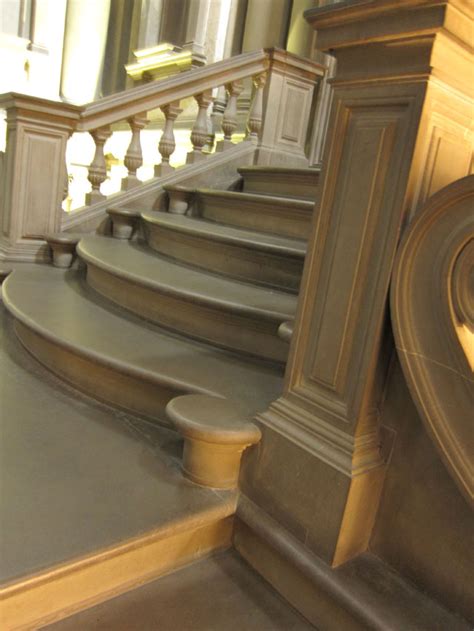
(34, 173)
(398, 131)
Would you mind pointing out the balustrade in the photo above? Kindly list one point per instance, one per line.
(254, 123)
(101, 118)
(167, 141)
(200, 131)
(134, 157)
(229, 121)
(97, 169)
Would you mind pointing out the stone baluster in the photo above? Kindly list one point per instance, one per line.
(254, 121)
(65, 179)
(200, 131)
(98, 169)
(134, 156)
(229, 122)
(167, 143)
(217, 115)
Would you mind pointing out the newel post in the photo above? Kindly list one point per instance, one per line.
(399, 130)
(287, 104)
(34, 175)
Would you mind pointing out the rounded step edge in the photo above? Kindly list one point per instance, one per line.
(179, 198)
(124, 221)
(285, 330)
(245, 329)
(215, 435)
(244, 259)
(4, 273)
(297, 183)
(271, 214)
(63, 247)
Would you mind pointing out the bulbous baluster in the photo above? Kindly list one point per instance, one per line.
(229, 121)
(98, 169)
(254, 121)
(134, 156)
(200, 131)
(167, 143)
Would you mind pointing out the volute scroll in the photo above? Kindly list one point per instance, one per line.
(432, 306)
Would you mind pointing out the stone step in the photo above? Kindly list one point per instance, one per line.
(220, 311)
(93, 501)
(264, 213)
(299, 183)
(121, 360)
(257, 257)
(241, 600)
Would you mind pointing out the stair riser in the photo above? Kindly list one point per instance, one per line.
(251, 335)
(286, 221)
(100, 381)
(63, 590)
(296, 187)
(250, 265)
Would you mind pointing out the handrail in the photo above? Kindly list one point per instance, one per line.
(153, 95)
(35, 178)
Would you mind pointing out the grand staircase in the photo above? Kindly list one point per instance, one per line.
(192, 303)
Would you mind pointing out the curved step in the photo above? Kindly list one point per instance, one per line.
(119, 360)
(221, 311)
(257, 257)
(300, 183)
(265, 213)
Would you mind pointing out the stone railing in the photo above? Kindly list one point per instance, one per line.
(35, 178)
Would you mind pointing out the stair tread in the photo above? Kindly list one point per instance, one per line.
(271, 243)
(79, 477)
(279, 170)
(146, 267)
(56, 304)
(256, 198)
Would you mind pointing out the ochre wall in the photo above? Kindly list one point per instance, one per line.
(424, 527)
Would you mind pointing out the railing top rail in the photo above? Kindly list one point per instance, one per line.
(152, 95)
(145, 98)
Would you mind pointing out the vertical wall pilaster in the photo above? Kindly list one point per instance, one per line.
(398, 131)
(288, 96)
(33, 173)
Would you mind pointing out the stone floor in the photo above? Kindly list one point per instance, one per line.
(221, 593)
(76, 476)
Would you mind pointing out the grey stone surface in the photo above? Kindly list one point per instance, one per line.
(56, 305)
(145, 267)
(219, 593)
(76, 476)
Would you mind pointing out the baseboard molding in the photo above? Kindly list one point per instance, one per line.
(63, 590)
(361, 595)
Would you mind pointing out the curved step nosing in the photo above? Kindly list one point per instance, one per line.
(257, 200)
(267, 248)
(115, 364)
(207, 301)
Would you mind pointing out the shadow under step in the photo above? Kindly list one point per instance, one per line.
(297, 183)
(264, 213)
(247, 255)
(241, 317)
(119, 359)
